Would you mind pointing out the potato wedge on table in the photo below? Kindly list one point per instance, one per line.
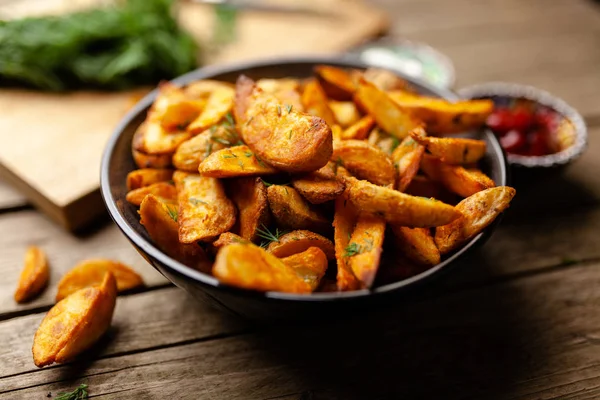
(478, 210)
(315, 102)
(34, 276)
(249, 267)
(291, 211)
(286, 90)
(90, 273)
(386, 112)
(453, 150)
(360, 129)
(250, 197)
(144, 160)
(147, 176)
(193, 151)
(365, 247)
(365, 161)
(164, 190)
(218, 105)
(442, 116)
(234, 162)
(285, 138)
(75, 323)
(317, 189)
(338, 83)
(407, 158)
(310, 265)
(344, 219)
(345, 112)
(416, 244)
(204, 209)
(456, 178)
(152, 138)
(298, 241)
(160, 221)
(399, 208)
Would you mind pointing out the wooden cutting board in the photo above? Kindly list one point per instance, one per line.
(52, 144)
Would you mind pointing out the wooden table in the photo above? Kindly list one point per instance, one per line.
(521, 320)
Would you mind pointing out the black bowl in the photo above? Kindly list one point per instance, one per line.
(117, 162)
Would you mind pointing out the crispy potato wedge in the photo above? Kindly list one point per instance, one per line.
(227, 238)
(317, 188)
(34, 276)
(336, 132)
(345, 112)
(234, 162)
(75, 323)
(315, 102)
(202, 89)
(385, 80)
(479, 210)
(286, 90)
(164, 190)
(456, 178)
(386, 112)
(152, 138)
(310, 265)
(173, 109)
(416, 244)
(338, 83)
(160, 220)
(442, 116)
(365, 161)
(248, 266)
(359, 130)
(218, 105)
(250, 197)
(147, 176)
(204, 209)
(193, 151)
(452, 150)
(407, 158)
(422, 186)
(298, 241)
(365, 248)
(399, 208)
(143, 160)
(91, 273)
(289, 140)
(383, 141)
(291, 211)
(344, 220)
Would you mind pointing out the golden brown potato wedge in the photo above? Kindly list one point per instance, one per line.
(34, 276)
(286, 90)
(160, 220)
(407, 158)
(193, 151)
(385, 80)
(364, 249)
(248, 266)
(164, 190)
(283, 137)
(204, 209)
(147, 176)
(91, 273)
(359, 130)
(291, 211)
(456, 178)
(315, 102)
(310, 265)
(218, 105)
(453, 150)
(442, 116)
(250, 197)
(202, 89)
(298, 241)
(234, 162)
(226, 239)
(143, 160)
(152, 138)
(344, 219)
(336, 132)
(317, 187)
(399, 208)
(173, 109)
(416, 244)
(75, 323)
(338, 83)
(386, 112)
(345, 112)
(383, 141)
(365, 161)
(478, 210)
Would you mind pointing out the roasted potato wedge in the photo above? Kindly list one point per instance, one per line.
(91, 273)
(234, 162)
(218, 105)
(283, 137)
(310, 265)
(365, 247)
(147, 176)
(152, 138)
(164, 190)
(456, 178)
(345, 112)
(385, 80)
(250, 197)
(34, 276)
(160, 220)
(383, 141)
(192, 152)
(336, 132)
(143, 160)
(285, 90)
(344, 220)
(75, 323)
(248, 266)
(365, 161)
(338, 83)
(399, 208)
(416, 244)
(202, 89)
(298, 241)
(478, 210)
(386, 112)
(452, 150)
(173, 109)
(359, 130)
(407, 158)
(315, 102)
(226, 239)
(318, 189)
(204, 209)
(291, 211)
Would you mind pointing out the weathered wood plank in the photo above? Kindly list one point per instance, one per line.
(9, 197)
(533, 338)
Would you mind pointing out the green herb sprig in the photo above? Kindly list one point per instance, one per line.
(80, 393)
(269, 236)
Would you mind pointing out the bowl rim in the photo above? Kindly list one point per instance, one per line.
(540, 96)
(206, 73)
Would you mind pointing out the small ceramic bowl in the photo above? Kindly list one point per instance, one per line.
(571, 136)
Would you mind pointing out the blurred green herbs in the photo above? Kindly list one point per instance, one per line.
(135, 43)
